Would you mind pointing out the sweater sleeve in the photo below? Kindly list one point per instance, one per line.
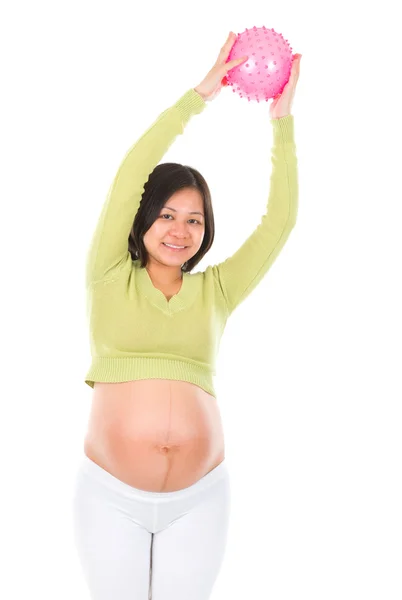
(239, 274)
(109, 246)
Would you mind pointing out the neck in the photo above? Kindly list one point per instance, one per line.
(164, 275)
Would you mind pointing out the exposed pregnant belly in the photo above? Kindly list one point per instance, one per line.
(158, 435)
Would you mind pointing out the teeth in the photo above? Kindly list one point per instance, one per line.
(171, 246)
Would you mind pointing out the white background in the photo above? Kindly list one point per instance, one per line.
(309, 371)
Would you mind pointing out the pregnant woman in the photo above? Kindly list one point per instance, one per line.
(152, 496)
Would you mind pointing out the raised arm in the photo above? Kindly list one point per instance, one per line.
(239, 274)
(109, 245)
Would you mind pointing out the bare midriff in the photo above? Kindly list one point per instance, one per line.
(158, 435)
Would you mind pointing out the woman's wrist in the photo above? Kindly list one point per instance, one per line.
(200, 93)
(204, 96)
(281, 116)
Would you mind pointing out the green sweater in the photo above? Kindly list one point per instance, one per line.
(135, 332)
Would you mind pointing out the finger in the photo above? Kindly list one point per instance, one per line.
(234, 63)
(295, 71)
(296, 62)
(227, 46)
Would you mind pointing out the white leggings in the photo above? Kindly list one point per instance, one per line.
(137, 545)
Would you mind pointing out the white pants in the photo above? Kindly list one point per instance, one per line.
(136, 545)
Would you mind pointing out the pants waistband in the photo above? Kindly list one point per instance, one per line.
(89, 467)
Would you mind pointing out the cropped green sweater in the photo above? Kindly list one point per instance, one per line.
(135, 332)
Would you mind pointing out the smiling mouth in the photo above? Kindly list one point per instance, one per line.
(173, 248)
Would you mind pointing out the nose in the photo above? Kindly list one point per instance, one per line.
(180, 229)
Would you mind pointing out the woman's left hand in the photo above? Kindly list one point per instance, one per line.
(281, 105)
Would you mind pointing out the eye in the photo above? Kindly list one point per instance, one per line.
(168, 215)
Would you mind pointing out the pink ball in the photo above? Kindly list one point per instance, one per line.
(267, 70)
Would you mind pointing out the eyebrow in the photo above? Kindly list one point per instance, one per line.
(193, 212)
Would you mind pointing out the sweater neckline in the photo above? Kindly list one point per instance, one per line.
(177, 302)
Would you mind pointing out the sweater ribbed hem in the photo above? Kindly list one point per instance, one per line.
(283, 130)
(191, 103)
(127, 368)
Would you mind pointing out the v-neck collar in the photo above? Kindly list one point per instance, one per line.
(178, 302)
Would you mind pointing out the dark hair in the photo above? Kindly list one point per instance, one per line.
(163, 182)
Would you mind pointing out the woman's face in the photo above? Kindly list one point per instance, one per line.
(180, 222)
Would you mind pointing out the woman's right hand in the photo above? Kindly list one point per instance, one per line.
(212, 84)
